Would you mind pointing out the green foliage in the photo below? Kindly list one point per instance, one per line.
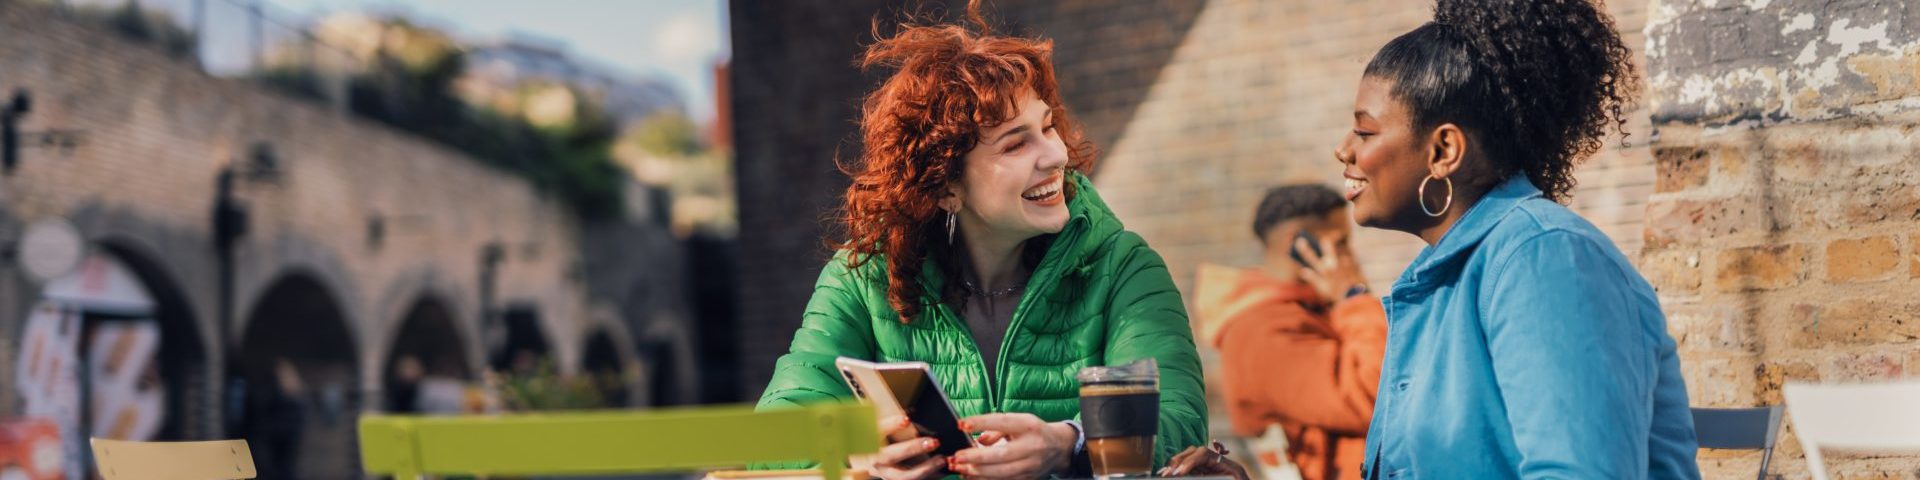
(409, 85)
(138, 24)
(668, 134)
(544, 389)
(299, 82)
(667, 150)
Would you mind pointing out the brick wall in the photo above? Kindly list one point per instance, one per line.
(795, 97)
(1257, 95)
(1782, 231)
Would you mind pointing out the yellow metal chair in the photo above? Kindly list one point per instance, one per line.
(615, 442)
(215, 460)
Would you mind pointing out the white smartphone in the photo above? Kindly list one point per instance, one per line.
(908, 389)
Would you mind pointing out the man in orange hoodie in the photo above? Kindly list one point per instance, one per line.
(1300, 341)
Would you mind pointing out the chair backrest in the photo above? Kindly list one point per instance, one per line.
(616, 442)
(1739, 429)
(215, 460)
(1883, 417)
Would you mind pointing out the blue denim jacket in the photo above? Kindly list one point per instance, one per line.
(1524, 345)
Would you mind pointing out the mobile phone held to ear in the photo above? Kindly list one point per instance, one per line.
(1313, 243)
(908, 389)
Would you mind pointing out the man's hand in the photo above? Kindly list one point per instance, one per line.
(1333, 271)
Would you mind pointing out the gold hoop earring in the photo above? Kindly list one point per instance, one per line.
(1423, 197)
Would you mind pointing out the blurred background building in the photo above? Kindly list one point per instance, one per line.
(264, 236)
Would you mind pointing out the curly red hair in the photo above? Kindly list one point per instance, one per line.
(950, 85)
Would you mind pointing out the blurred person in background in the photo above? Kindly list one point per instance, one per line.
(1300, 339)
(403, 388)
(277, 416)
(975, 243)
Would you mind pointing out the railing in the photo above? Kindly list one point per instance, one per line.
(254, 39)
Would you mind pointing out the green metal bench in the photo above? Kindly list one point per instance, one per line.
(615, 442)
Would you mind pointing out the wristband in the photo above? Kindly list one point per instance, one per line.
(1079, 436)
(1356, 290)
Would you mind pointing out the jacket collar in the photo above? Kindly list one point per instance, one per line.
(1472, 228)
(1089, 223)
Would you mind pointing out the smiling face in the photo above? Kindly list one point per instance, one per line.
(1014, 184)
(1385, 161)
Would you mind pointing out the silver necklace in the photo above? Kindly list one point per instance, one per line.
(975, 290)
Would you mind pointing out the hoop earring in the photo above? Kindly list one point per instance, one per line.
(1423, 197)
(950, 226)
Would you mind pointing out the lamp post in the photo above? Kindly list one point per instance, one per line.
(231, 222)
(491, 255)
(11, 137)
(10, 128)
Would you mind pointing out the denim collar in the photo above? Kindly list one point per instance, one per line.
(1470, 230)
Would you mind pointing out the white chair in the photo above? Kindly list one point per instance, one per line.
(1868, 418)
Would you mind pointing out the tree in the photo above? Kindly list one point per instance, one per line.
(138, 24)
(406, 81)
(668, 134)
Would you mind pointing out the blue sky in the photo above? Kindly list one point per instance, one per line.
(676, 39)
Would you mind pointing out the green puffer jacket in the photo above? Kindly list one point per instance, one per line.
(1099, 297)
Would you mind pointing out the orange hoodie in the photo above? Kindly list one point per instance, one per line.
(1288, 357)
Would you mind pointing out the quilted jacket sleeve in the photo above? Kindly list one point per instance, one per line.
(1148, 320)
(835, 324)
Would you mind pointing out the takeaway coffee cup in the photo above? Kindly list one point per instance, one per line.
(1120, 410)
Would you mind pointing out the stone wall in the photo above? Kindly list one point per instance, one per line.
(1782, 232)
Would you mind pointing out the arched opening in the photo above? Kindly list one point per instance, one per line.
(115, 335)
(298, 386)
(184, 372)
(526, 349)
(602, 362)
(426, 368)
(664, 379)
(669, 378)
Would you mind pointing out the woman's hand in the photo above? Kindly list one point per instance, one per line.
(1208, 462)
(907, 456)
(1032, 448)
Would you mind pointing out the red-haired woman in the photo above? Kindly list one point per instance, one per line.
(975, 244)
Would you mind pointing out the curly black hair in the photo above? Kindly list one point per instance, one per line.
(1288, 202)
(1536, 83)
